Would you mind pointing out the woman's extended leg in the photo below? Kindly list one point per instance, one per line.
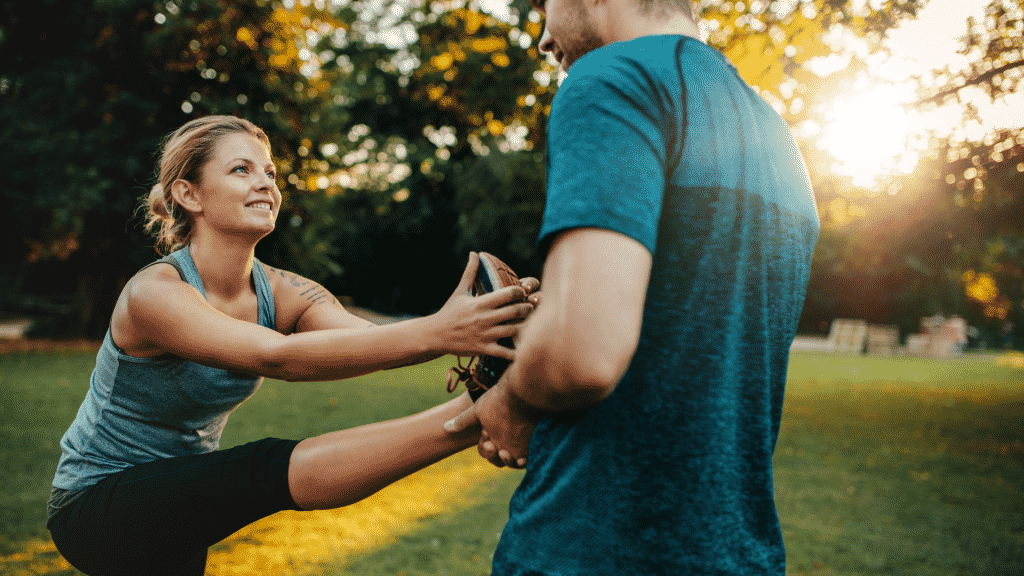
(339, 468)
(160, 517)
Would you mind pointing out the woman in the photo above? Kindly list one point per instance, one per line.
(141, 487)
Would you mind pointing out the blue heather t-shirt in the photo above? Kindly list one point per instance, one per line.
(659, 139)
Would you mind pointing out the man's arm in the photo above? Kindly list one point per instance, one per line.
(574, 350)
(576, 346)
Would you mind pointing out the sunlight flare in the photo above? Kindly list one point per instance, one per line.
(871, 134)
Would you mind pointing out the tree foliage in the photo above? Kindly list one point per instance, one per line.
(995, 47)
(947, 237)
(87, 91)
(409, 133)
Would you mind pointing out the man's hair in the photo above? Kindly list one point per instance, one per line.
(686, 6)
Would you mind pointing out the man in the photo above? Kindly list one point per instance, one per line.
(647, 386)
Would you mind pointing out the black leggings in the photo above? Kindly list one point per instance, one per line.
(160, 517)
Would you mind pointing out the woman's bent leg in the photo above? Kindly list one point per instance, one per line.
(160, 517)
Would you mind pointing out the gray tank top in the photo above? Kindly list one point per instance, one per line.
(143, 409)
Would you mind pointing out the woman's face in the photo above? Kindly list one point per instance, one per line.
(238, 188)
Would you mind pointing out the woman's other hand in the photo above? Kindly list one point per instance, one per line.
(470, 325)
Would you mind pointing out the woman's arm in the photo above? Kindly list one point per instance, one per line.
(305, 306)
(162, 314)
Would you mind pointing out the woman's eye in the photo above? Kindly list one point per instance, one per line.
(272, 175)
(240, 168)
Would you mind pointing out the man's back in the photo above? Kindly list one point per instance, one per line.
(658, 139)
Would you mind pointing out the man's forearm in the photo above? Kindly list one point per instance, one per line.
(578, 343)
(550, 375)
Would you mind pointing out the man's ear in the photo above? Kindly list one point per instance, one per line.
(186, 195)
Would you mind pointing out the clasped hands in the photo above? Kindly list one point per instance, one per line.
(507, 421)
(507, 424)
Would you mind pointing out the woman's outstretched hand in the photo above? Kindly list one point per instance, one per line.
(470, 325)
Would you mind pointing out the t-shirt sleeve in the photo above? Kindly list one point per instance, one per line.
(606, 153)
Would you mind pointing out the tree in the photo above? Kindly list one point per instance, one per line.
(433, 120)
(406, 133)
(475, 86)
(87, 90)
(944, 238)
(996, 49)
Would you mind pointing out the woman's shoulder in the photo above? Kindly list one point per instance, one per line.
(152, 286)
(287, 288)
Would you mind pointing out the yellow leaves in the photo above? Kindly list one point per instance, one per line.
(762, 53)
(534, 29)
(486, 45)
(807, 40)
(982, 288)
(282, 16)
(435, 91)
(472, 18)
(320, 85)
(285, 27)
(457, 51)
(840, 212)
(245, 36)
(757, 61)
(279, 60)
(500, 59)
(286, 31)
(442, 61)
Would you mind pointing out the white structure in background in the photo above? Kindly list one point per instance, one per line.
(847, 336)
(14, 329)
(940, 337)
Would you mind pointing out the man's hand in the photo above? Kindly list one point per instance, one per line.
(508, 424)
(532, 288)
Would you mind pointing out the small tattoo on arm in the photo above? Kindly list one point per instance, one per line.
(318, 295)
(314, 292)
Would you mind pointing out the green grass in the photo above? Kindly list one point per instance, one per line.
(883, 466)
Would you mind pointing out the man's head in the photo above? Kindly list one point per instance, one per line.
(574, 27)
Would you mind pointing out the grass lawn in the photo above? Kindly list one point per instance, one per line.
(883, 466)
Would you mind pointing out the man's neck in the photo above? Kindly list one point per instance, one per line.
(625, 21)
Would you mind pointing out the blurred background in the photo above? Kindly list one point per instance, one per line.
(410, 132)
